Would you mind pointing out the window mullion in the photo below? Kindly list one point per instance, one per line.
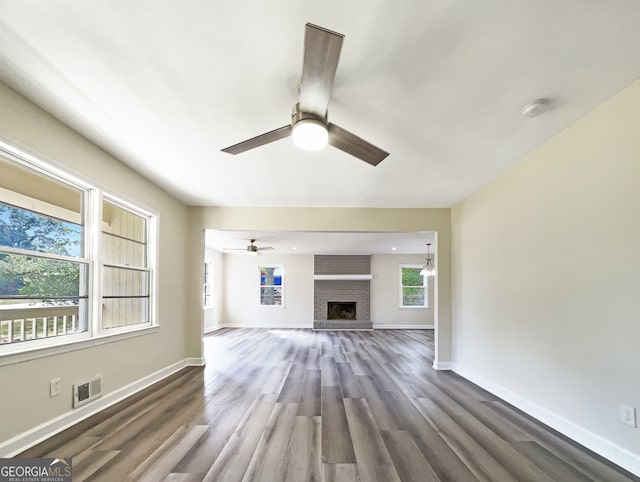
(94, 230)
(41, 254)
(126, 266)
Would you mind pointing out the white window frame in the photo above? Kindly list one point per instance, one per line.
(92, 197)
(207, 282)
(425, 285)
(271, 265)
(150, 268)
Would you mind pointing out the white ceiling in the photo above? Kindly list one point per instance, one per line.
(164, 85)
(298, 242)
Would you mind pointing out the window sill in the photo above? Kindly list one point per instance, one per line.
(42, 352)
(413, 307)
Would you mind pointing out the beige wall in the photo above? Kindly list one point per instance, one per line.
(25, 386)
(385, 293)
(546, 269)
(213, 315)
(326, 219)
(241, 298)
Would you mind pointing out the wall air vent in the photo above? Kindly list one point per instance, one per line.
(86, 391)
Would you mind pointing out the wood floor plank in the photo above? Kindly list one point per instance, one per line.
(380, 376)
(86, 463)
(268, 461)
(557, 468)
(179, 477)
(381, 404)
(357, 364)
(310, 399)
(407, 457)
(373, 459)
(512, 460)
(444, 461)
(338, 354)
(161, 462)
(329, 372)
(403, 380)
(223, 420)
(276, 379)
(304, 451)
(337, 447)
(75, 446)
(348, 382)
(347, 345)
(479, 461)
(292, 388)
(236, 455)
(340, 473)
(313, 361)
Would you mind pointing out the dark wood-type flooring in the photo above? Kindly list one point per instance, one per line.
(297, 405)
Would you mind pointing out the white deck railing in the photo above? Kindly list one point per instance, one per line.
(21, 323)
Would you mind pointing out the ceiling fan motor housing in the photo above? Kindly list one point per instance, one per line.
(298, 115)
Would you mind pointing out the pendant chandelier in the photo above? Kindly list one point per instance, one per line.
(429, 269)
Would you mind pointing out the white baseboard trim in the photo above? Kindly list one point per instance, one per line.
(195, 362)
(385, 326)
(388, 326)
(39, 433)
(268, 326)
(211, 329)
(443, 365)
(609, 450)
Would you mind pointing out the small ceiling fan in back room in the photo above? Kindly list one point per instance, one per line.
(251, 249)
(309, 126)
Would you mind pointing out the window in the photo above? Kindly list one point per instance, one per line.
(413, 287)
(271, 287)
(43, 268)
(64, 276)
(207, 285)
(126, 276)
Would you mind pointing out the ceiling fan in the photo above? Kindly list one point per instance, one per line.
(251, 248)
(309, 126)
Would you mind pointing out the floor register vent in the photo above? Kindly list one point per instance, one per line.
(87, 391)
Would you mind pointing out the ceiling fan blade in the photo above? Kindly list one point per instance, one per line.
(321, 54)
(354, 145)
(265, 248)
(260, 140)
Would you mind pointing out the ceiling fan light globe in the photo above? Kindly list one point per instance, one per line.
(310, 135)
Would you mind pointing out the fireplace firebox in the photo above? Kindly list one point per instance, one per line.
(341, 310)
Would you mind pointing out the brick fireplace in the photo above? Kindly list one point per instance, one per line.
(342, 280)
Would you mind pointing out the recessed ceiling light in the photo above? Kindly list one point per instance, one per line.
(394, 248)
(295, 248)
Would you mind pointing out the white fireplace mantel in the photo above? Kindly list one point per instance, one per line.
(342, 276)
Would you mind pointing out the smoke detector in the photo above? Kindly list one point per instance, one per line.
(535, 108)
